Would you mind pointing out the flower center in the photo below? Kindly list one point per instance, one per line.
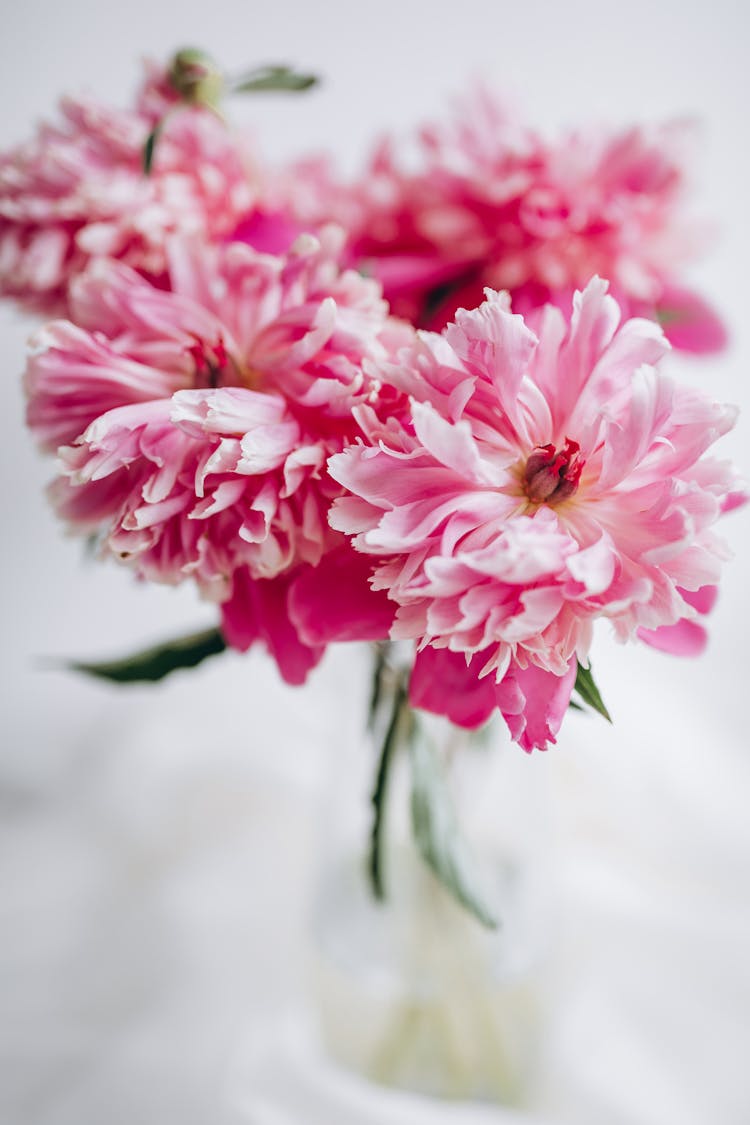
(215, 366)
(552, 475)
(211, 361)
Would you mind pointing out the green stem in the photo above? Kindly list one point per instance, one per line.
(378, 676)
(399, 714)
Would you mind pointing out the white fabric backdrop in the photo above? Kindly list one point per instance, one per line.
(155, 846)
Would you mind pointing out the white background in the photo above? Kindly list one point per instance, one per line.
(155, 844)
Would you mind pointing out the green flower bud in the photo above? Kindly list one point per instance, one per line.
(196, 77)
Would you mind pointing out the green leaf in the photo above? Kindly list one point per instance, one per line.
(273, 78)
(400, 723)
(155, 663)
(437, 834)
(589, 692)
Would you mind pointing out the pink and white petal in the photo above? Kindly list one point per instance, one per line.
(73, 377)
(226, 410)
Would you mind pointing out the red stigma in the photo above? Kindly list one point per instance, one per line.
(552, 475)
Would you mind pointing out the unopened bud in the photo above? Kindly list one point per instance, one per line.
(196, 77)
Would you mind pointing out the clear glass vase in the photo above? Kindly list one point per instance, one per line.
(412, 991)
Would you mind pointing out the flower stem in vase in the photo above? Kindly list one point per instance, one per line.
(415, 990)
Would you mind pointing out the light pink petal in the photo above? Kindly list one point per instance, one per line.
(451, 445)
(593, 324)
(639, 422)
(495, 343)
(594, 566)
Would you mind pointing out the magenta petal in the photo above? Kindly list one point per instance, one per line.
(400, 273)
(686, 638)
(334, 602)
(258, 611)
(734, 500)
(534, 703)
(703, 599)
(270, 232)
(690, 323)
(441, 682)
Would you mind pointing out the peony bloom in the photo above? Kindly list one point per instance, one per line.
(193, 424)
(491, 203)
(78, 191)
(542, 481)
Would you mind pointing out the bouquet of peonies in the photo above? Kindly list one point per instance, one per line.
(425, 407)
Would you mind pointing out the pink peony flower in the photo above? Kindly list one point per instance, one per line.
(492, 203)
(194, 423)
(77, 191)
(541, 482)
